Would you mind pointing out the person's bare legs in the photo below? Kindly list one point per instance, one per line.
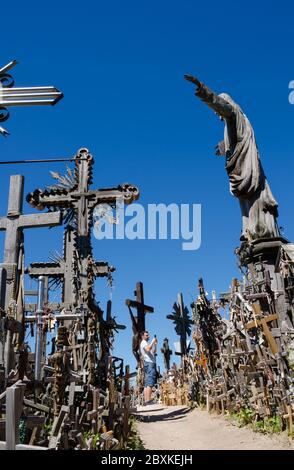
(147, 393)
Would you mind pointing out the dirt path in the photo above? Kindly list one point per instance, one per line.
(177, 428)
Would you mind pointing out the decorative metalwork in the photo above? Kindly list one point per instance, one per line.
(24, 96)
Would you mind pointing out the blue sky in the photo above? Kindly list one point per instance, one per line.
(120, 66)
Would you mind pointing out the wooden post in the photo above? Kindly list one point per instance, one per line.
(14, 405)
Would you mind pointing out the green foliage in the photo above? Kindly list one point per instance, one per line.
(96, 437)
(134, 441)
(22, 430)
(269, 425)
(244, 416)
(48, 428)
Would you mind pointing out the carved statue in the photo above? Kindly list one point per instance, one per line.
(247, 179)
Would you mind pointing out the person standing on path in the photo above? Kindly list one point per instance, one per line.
(147, 353)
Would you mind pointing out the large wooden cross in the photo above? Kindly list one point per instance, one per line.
(77, 200)
(138, 322)
(64, 270)
(142, 309)
(263, 322)
(14, 224)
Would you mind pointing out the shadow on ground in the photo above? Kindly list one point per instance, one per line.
(172, 416)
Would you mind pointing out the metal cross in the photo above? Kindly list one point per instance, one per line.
(24, 96)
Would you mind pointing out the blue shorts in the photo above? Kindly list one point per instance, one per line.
(149, 374)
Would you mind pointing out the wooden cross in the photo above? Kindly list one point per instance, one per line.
(142, 309)
(263, 322)
(14, 224)
(74, 197)
(64, 270)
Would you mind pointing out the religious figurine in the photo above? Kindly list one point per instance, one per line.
(247, 179)
(166, 353)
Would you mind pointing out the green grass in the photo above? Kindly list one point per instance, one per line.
(134, 442)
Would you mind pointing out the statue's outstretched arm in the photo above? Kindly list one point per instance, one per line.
(215, 102)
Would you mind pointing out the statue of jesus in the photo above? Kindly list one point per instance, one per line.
(247, 179)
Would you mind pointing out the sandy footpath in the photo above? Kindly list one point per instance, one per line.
(177, 428)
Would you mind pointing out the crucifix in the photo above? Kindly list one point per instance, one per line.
(14, 224)
(24, 96)
(138, 322)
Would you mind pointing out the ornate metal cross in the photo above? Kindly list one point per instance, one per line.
(25, 96)
(182, 322)
(73, 196)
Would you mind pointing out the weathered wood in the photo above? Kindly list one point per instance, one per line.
(14, 405)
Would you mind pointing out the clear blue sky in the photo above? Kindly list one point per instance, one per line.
(120, 66)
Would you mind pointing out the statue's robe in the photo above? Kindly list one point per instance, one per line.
(247, 179)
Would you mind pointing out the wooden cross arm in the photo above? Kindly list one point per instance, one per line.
(102, 269)
(135, 304)
(119, 327)
(260, 321)
(49, 219)
(3, 223)
(128, 192)
(46, 269)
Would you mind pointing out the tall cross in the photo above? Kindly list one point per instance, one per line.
(142, 309)
(25, 96)
(73, 196)
(138, 322)
(14, 224)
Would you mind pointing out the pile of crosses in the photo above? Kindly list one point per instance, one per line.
(174, 388)
(77, 396)
(244, 341)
